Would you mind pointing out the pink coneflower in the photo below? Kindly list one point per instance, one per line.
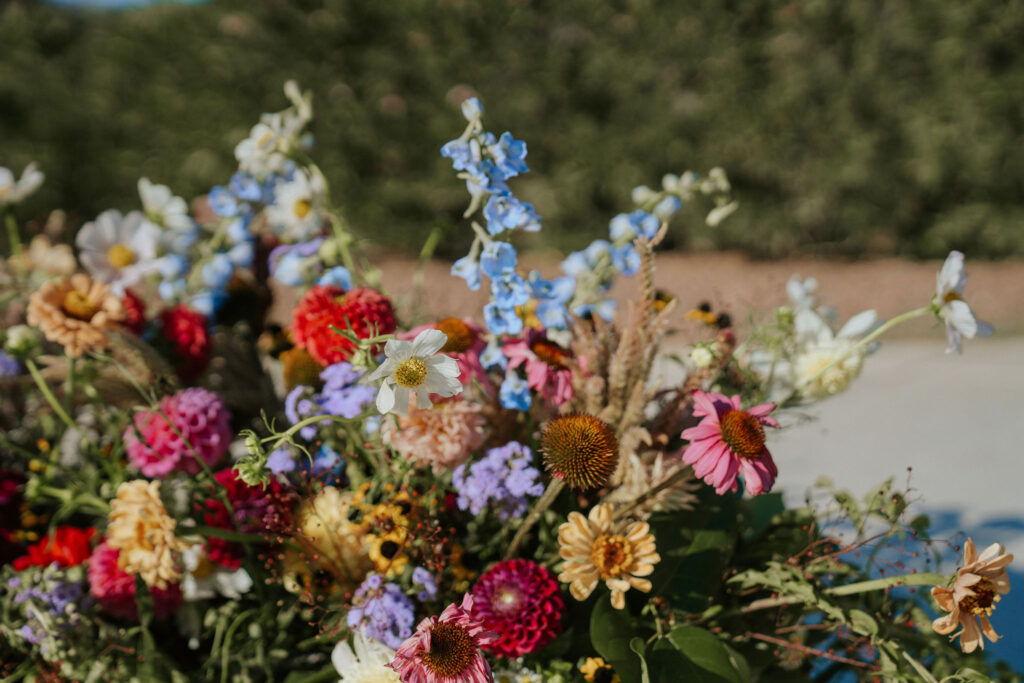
(547, 365)
(446, 649)
(729, 439)
(442, 437)
(522, 602)
(465, 344)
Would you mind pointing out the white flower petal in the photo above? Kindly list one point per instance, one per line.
(385, 398)
(952, 277)
(445, 365)
(343, 659)
(859, 325)
(423, 399)
(398, 349)
(428, 342)
(401, 406)
(960, 316)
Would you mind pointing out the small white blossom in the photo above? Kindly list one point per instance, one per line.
(702, 356)
(163, 207)
(415, 366)
(364, 661)
(13, 192)
(952, 309)
(296, 213)
(119, 250)
(205, 579)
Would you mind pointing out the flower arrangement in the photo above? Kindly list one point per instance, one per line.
(193, 491)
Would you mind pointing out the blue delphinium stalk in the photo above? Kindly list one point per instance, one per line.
(382, 610)
(504, 480)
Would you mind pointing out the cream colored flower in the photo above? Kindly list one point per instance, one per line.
(415, 366)
(596, 548)
(980, 584)
(329, 539)
(11, 191)
(141, 529)
(163, 207)
(364, 661)
(42, 254)
(75, 312)
(119, 250)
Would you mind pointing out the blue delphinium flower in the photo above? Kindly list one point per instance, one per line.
(497, 259)
(502, 320)
(626, 259)
(222, 202)
(503, 480)
(514, 393)
(509, 155)
(506, 212)
(468, 269)
(492, 356)
(629, 226)
(383, 611)
(245, 187)
(338, 276)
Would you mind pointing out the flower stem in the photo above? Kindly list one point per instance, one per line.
(927, 579)
(44, 388)
(542, 504)
(16, 246)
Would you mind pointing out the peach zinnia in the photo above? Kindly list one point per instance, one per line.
(75, 312)
(979, 585)
(596, 548)
(730, 440)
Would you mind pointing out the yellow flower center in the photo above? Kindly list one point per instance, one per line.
(302, 208)
(120, 255)
(743, 434)
(612, 555)
(460, 336)
(451, 651)
(77, 305)
(411, 373)
(983, 601)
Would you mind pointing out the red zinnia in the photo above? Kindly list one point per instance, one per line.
(68, 547)
(365, 311)
(134, 313)
(186, 332)
(257, 510)
(522, 602)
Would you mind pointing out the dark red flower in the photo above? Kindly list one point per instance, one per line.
(257, 510)
(366, 311)
(68, 546)
(10, 499)
(521, 601)
(114, 588)
(186, 335)
(134, 313)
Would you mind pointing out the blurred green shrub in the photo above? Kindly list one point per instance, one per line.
(848, 128)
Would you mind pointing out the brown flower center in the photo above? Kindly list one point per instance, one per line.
(742, 433)
(451, 650)
(411, 373)
(460, 336)
(120, 255)
(612, 555)
(550, 352)
(580, 449)
(951, 296)
(983, 601)
(77, 305)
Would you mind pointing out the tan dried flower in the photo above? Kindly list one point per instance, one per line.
(330, 539)
(979, 585)
(42, 254)
(75, 312)
(596, 548)
(141, 529)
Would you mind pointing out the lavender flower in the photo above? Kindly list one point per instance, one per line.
(341, 395)
(383, 611)
(503, 479)
(49, 601)
(424, 578)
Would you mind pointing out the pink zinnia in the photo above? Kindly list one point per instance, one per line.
(522, 602)
(729, 439)
(547, 365)
(465, 344)
(200, 417)
(114, 588)
(445, 649)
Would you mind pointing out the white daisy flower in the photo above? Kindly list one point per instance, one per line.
(364, 661)
(952, 309)
(296, 213)
(828, 362)
(273, 138)
(119, 250)
(415, 366)
(205, 579)
(163, 208)
(11, 191)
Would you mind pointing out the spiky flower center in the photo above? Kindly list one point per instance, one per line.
(451, 650)
(550, 352)
(302, 208)
(77, 305)
(460, 335)
(580, 449)
(742, 433)
(612, 555)
(120, 255)
(411, 373)
(983, 601)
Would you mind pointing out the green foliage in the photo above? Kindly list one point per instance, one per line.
(846, 128)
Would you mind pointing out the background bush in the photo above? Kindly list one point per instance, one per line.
(848, 128)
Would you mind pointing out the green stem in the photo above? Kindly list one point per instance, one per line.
(542, 504)
(16, 246)
(44, 388)
(69, 387)
(927, 579)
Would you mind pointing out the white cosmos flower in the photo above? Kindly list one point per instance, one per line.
(296, 212)
(827, 363)
(953, 310)
(276, 135)
(163, 208)
(415, 366)
(364, 661)
(801, 292)
(205, 579)
(12, 192)
(119, 250)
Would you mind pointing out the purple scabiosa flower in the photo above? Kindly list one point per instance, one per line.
(383, 611)
(503, 479)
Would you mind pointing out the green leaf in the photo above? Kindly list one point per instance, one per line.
(637, 645)
(714, 660)
(611, 631)
(863, 623)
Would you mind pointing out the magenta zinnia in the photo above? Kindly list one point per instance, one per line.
(446, 649)
(729, 441)
(521, 601)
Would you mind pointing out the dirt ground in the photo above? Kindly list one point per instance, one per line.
(740, 286)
